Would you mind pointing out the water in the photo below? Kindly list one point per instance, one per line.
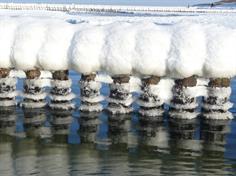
(93, 144)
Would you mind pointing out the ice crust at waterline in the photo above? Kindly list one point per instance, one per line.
(177, 50)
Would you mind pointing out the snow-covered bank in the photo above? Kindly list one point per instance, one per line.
(110, 8)
(177, 50)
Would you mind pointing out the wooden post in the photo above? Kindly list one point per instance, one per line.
(90, 94)
(7, 88)
(149, 101)
(61, 95)
(184, 104)
(120, 98)
(34, 92)
(217, 102)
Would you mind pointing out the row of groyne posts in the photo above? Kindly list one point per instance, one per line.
(183, 105)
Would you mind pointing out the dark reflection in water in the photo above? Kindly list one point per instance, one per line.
(45, 142)
(214, 135)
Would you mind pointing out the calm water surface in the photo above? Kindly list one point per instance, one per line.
(45, 142)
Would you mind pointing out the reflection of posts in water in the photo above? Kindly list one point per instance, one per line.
(6, 153)
(153, 134)
(25, 157)
(149, 101)
(182, 134)
(121, 130)
(7, 120)
(7, 88)
(89, 123)
(213, 135)
(61, 121)
(217, 104)
(34, 92)
(184, 102)
(54, 160)
(34, 120)
(87, 160)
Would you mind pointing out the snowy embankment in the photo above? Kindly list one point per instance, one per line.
(110, 8)
(176, 50)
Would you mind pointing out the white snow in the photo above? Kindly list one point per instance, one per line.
(33, 105)
(126, 102)
(188, 50)
(218, 115)
(7, 32)
(86, 49)
(35, 82)
(219, 92)
(29, 37)
(177, 50)
(39, 96)
(61, 84)
(221, 53)
(62, 106)
(53, 54)
(68, 97)
(95, 99)
(152, 46)
(118, 51)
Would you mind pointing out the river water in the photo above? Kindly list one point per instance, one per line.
(44, 143)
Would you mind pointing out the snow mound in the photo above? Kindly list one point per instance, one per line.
(176, 50)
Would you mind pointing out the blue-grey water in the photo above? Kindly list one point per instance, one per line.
(45, 142)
